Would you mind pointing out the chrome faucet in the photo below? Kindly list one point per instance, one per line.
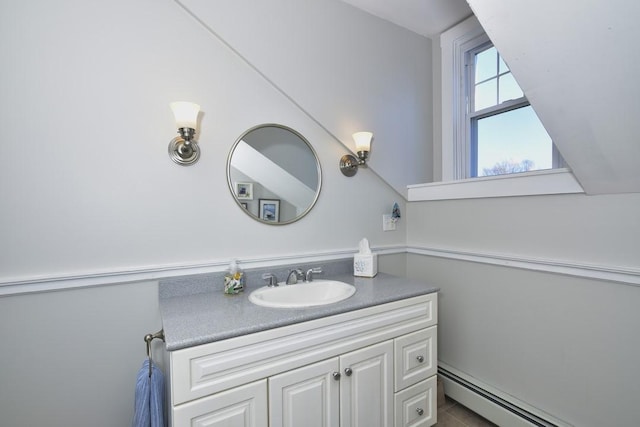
(271, 279)
(310, 272)
(294, 276)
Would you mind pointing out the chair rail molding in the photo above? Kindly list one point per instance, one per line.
(623, 275)
(35, 284)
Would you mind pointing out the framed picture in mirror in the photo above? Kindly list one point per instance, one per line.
(269, 210)
(244, 190)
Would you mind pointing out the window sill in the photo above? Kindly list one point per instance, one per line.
(555, 181)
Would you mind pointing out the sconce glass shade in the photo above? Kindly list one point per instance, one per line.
(363, 141)
(186, 114)
(348, 163)
(184, 149)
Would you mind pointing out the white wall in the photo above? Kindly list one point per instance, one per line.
(87, 186)
(70, 358)
(564, 345)
(327, 58)
(86, 90)
(594, 230)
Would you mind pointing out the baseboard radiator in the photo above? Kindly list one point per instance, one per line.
(488, 405)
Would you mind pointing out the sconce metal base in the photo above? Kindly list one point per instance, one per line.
(184, 153)
(348, 165)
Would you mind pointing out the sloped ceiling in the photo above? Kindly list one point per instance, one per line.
(577, 63)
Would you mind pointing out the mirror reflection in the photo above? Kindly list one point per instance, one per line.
(274, 174)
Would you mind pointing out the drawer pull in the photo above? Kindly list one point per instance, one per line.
(420, 359)
(336, 376)
(348, 372)
(420, 411)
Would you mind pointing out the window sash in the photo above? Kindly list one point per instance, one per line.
(469, 153)
(472, 124)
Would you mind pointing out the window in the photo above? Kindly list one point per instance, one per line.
(501, 121)
(504, 134)
(495, 130)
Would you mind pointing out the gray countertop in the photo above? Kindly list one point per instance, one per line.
(200, 318)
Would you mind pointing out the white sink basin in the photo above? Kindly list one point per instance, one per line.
(318, 292)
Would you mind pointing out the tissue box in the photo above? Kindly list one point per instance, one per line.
(365, 265)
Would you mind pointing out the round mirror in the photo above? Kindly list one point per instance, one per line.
(274, 174)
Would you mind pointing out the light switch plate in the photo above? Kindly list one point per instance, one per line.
(388, 224)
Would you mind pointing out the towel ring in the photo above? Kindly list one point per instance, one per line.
(148, 338)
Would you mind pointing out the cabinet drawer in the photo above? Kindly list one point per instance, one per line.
(415, 357)
(244, 406)
(416, 406)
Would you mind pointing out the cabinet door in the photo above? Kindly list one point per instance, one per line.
(366, 387)
(307, 396)
(244, 406)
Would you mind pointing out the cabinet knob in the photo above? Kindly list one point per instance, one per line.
(348, 372)
(336, 376)
(420, 359)
(419, 411)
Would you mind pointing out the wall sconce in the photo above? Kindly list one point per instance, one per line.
(349, 164)
(184, 149)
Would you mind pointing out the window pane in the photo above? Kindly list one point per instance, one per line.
(509, 88)
(486, 95)
(486, 64)
(503, 66)
(514, 141)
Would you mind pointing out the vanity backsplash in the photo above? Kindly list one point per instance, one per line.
(214, 282)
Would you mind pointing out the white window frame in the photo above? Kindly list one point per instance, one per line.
(470, 118)
(451, 182)
(469, 38)
(453, 44)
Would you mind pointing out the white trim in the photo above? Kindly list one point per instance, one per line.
(485, 407)
(481, 406)
(452, 43)
(628, 276)
(551, 181)
(25, 285)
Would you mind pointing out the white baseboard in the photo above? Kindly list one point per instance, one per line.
(497, 407)
(483, 407)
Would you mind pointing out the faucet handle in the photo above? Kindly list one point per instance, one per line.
(271, 279)
(294, 275)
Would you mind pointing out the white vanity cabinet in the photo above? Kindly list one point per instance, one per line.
(350, 390)
(370, 367)
(366, 386)
(307, 396)
(244, 406)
